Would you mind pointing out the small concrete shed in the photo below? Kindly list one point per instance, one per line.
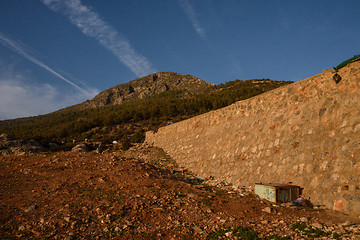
(277, 192)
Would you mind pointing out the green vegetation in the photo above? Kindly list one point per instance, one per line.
(239, 233)
(309, 231)
(128, 121)
(344, 63)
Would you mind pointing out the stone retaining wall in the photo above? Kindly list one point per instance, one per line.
(307, 133)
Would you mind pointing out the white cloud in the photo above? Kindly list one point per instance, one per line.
(21, 49)
(19, 97)
(190, 12)
(91, 24)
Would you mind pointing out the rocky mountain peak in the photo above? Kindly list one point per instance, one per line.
(148, 86)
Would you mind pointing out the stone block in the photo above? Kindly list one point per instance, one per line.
(339, 205)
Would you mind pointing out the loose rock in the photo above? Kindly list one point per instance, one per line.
(267, 209)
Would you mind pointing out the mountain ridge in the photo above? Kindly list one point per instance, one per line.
(125, 111)
(147, 86)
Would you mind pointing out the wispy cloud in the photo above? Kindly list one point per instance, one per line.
(20, 98)
(91, 24)
(190, 12)
(23, 51)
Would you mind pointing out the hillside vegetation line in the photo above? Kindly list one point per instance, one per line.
(127, 122)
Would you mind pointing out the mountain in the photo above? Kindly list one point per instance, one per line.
(124, 112)
(148, 86)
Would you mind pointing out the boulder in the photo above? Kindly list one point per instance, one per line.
(82, 147)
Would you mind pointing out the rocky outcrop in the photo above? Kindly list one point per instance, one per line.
(146, 87)
(11, 145)
(82, 147)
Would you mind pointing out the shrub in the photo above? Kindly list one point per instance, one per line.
(344, 63)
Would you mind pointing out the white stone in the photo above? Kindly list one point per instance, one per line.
(267, 209)
(317, 225)
(21, 228)
(244, 149)
(323, 165)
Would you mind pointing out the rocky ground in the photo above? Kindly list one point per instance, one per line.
(11, 145)
(141, 194)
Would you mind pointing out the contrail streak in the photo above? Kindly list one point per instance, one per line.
(22, 52)
(91, 24)
(190, 12)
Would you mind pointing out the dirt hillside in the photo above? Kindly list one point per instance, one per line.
(140, 194)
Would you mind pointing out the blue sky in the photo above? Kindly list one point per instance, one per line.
(56, 53)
